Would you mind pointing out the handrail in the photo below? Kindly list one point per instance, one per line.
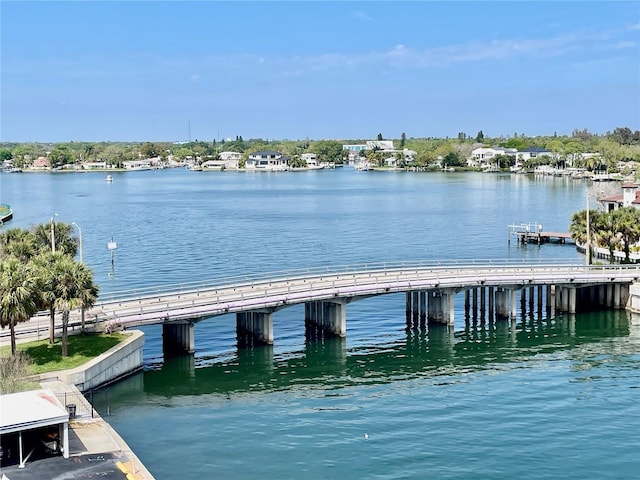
(298, 273)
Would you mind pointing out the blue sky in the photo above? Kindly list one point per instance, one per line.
(164, 71)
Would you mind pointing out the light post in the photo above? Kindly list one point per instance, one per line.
(588, 252)
(79, 238)
(53, 233)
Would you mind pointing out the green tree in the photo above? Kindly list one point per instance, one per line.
(578, 229)
(18, 243)
(480, 136)
(60, 155)
(403, 140)
(5, 154)
(18, 295)
(327, 150)
(149, 150)
(60, 234)
(627, 223)
(75, 289)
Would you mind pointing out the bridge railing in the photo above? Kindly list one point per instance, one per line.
(227, 281)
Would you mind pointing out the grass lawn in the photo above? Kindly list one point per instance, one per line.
(82, 348)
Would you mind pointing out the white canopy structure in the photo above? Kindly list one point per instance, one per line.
(33, 409)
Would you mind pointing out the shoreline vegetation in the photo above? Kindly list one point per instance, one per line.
(583, 153)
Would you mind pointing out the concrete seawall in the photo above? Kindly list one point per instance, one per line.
(121, 360)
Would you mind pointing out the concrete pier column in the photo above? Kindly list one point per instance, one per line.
(602, 295)
(616, 296)
(540, 287)
(474, 295)
(491, 302)
(609, 295)
(571, 299)
(514, 304)
(502, 310)
(483, 302)
(416, 307)
(407, 309)
(327, 317)
(441, 307)
(532, 294)
(254, 328)
(423, 310)
(467, 304)
(178, 338)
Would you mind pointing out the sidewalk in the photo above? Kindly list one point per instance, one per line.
(95, 436)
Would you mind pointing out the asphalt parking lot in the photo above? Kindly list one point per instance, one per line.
(102, 466)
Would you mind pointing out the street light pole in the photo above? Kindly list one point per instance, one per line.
(588, 252)
(79, 238)
(53, 233)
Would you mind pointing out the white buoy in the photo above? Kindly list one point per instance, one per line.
(366, 436)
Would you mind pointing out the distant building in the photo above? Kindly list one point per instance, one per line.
(267, 160)
(630, 198)
(41, 163)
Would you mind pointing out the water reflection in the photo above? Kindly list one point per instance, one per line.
(328, 364)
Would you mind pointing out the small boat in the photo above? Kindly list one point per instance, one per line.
(6, 213)
(109, 179)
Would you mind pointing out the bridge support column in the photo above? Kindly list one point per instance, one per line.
(540, 287)
(178, 338)
(514, 304)
(502, 303)
(254, 328)
(616, 296)
(571, 299)
(467, 304)
(441, 307)
(491, 303)
(325, 317)
(483, 303)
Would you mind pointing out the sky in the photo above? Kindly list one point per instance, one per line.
(205, 70)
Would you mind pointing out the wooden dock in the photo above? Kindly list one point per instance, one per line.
(533, 233)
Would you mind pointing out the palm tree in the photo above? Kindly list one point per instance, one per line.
(607, 233)
(62, 235)
(18, 243)
(46, 273)
(18, 295)
(627, 222)
(578, 228)
(75, 289)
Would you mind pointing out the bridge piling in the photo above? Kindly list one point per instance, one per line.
(178, 338)
(254, 328)
(326, 317)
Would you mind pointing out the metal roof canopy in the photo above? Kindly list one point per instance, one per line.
(33, 409)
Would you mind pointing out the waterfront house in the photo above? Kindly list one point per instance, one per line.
(230, 159)
(268, 161)
(483, 156)
(41, 163)
(533, 152)
(630, 197)
(101, 165)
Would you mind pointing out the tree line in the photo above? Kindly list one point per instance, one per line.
(38, 271)
(620, 145)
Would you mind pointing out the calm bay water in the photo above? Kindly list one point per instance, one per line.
(535, 398)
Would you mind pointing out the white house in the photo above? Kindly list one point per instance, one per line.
(483, 156)
(268, 161)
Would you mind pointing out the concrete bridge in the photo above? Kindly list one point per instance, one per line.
(489, 287)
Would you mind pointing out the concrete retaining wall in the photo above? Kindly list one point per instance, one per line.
(117, 362)
(633, 304)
